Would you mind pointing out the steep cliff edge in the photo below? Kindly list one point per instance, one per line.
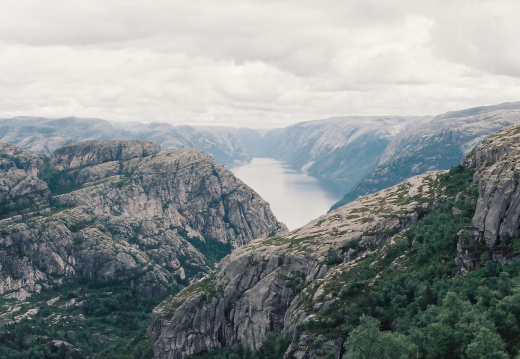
(120, 210)
(496, 222)
(20, 189)
(410, 256)
(253, 290)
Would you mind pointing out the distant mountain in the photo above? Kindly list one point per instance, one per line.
(220, 142)
(44, 135)
(437, 144)
(340, 148)
(361, 154)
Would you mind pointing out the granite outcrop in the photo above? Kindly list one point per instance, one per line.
(289, 282)
(119, 210)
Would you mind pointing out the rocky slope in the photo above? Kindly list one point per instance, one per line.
(303, 282)
(119, 210)
(255, 289)
(437, 144)
(496, 220)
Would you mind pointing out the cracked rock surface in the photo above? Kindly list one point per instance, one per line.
(255, 289)
(281, 283)
(118, 210)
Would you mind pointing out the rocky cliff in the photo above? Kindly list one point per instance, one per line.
(21, 191)
(119, 210)
(256, 289)
(391, 255)
(496, 220)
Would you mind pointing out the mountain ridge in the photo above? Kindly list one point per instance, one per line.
(119, 210)
(313, 284)
(437, 144)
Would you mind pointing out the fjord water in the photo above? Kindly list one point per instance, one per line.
(295, 198)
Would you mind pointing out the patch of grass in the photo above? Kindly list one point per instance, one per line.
(206, 285)
(360, 210)
(280, 241)
(212, 249)
(366, 220)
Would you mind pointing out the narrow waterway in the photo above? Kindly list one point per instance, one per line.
(295, 198)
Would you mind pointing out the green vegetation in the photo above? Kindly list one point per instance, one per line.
(212, 249)
(206, 285)
(458, 180)
(97, 318)
(294, 242)
(59, 182)
(273, 347)
(425, 310)
(367, 341)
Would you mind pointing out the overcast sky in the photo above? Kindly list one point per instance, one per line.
(255, 63)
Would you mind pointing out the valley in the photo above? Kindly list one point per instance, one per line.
(259, 179)
(120, 248)
(120, 216)
(426, 268)
(295, 198)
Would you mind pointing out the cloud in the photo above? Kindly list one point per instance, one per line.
(484, 37)
(255, 63)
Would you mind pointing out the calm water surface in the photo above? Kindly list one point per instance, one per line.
(295, 197)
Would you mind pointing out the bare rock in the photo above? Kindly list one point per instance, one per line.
(498, 207)
(93, 152)
(256, 288)
(120, 210)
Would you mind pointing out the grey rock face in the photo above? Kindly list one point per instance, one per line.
(308, 348)
(498, 208)
(259, 287)
(125, 211)
(94, 152)
(20, 189)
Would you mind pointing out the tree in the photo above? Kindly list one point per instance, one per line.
(368, 342)
(486, 345)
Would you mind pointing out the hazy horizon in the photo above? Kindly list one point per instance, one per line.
(255, 64)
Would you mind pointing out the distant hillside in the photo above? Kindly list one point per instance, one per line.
(345, 149)
(437, 144)
(44, 135)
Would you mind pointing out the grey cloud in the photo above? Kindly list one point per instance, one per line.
(484, 37)
(255, 63)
